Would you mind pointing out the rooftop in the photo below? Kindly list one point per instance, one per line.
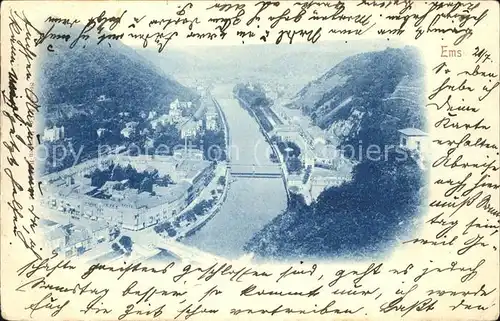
(286, 128)
(47, 223)
(326, 151)
(163, 195)
(187, 152)
(55, 234)
(77, 235)
(412, 132)
(342, 174)
(94, 226)
(182, 172)
(173, 192)
(294, 177)
(190, 125)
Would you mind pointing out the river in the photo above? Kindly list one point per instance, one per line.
(251, 202)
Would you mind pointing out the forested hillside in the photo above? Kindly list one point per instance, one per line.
(100, 86)
(364, 100)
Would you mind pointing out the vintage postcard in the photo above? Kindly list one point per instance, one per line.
(250, 160)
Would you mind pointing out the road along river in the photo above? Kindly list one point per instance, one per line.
(251, 202)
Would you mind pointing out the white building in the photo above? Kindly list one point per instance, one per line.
(129, 129)
(413, 139)
(294, 180)
(322, 178)
(175, 111)
(211, 120)
(188, 153)
(185, 104)
(326, 155)
(127, 132)
(103, 98)
(101, 131)
(152, 115)
(308, 157)
(162, 120)
(175, 105)
(175, 115)
(191, 129)
(287, 132)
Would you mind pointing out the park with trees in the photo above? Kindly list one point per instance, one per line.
(142, 181)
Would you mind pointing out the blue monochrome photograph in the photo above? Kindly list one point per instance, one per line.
(267, 152)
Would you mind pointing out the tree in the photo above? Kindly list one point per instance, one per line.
(289, 149)
(115, 232)
(116, 248)
(171, 232)
(164, 180)
(201, 207)
(166, 135)
(117, 173)
(146, 185)
(98, 178)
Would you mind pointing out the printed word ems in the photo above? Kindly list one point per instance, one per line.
(450, 53)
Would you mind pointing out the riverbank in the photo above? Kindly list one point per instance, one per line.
(211, 215)
(201, 220)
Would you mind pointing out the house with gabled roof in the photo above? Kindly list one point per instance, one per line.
(413, 139)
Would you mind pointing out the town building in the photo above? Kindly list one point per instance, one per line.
(188, 154)
(151, 115)
(101, 131)
(211, 115)
(413, 139)
(162, 120)
(127, 132)
(175, 111)
(53, 134)
(211, 120)
(191, 128)
(70, 239)
(326, 155)
(200, 112)
(174, 105)
(129, 129)
(124, 206)
(287, 132)
(197, 173)
(323, 178)
(294, 180)
(185, 104)
(201, 90)
(55, 238)
(307, 157)
(102, 98)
